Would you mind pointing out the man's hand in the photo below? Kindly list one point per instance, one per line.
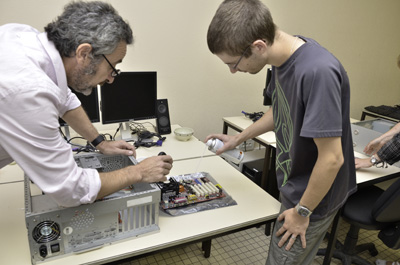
(363, 163)
(116, 148)
(152, 169)
(155, 168)
(373, 146)
(294, 225)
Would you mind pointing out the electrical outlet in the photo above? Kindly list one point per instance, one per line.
(247, 145)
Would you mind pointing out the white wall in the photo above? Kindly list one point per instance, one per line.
(364, 36)
(171, 39)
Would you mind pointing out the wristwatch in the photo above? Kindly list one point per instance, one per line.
(302, 210)
(374, 160)
(98, 140)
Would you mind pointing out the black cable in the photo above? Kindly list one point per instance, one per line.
(62, 133)
(116, 131)
(255, 116)
(145, 135)
(109, 135)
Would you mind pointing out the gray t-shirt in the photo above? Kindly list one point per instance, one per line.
(311, 99)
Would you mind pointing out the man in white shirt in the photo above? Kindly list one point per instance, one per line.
(79, 50)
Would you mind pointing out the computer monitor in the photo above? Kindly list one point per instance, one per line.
(90, 104)
(131, 97)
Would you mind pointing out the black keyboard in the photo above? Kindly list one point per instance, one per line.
(389, 111)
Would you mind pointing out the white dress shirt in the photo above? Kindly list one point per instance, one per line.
(33, 95)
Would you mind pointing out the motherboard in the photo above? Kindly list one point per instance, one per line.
(187, 189)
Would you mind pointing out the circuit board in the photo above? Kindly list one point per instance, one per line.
(188, 189)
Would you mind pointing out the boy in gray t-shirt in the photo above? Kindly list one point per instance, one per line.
(310, 99)
(310, 114)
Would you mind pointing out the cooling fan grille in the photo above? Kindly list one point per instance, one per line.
(113, 163)
(46, 231)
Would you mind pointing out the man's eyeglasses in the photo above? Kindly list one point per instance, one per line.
(237, 63)
(115, 72)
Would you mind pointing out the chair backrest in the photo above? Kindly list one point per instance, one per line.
(387, 210)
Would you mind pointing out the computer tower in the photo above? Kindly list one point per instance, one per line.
(248, 157)
(254, 170)
(55, 231)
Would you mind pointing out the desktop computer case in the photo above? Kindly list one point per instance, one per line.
(55, 231)
(365, 131)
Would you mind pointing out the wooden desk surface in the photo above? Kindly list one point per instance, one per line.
(254, 205)
(241, 122)
(373, 175)
(11, 173)
(179, 150)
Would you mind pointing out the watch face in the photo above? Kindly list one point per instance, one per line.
(303, 211)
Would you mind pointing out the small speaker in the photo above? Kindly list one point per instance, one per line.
(163, 121)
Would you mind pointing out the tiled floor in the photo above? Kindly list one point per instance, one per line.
(248, 247)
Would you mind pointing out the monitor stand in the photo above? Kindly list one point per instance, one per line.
(125, 131)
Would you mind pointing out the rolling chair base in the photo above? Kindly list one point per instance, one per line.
(348, 251)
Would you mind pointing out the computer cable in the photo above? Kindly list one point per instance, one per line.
(78, 148)
(144, 136)
(255, 116)
(117, 130)
(139, 126)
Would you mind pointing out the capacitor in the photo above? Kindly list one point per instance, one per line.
(234, 155)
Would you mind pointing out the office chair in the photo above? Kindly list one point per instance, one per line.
(370, 208)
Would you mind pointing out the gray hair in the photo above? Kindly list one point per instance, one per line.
(95, 22)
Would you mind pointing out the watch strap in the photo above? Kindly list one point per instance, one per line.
(98, 140)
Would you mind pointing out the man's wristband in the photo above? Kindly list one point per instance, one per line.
(98, 140)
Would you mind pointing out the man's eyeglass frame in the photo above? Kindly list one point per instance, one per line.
(115, 72)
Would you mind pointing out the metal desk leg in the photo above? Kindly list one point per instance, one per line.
(268, 180)
(225, 128)
(363, 116)
(269, 227)
(332, 239)
(267, 163)
(206, 247)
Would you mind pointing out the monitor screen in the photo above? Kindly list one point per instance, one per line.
(132, 96)
(90, 104)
